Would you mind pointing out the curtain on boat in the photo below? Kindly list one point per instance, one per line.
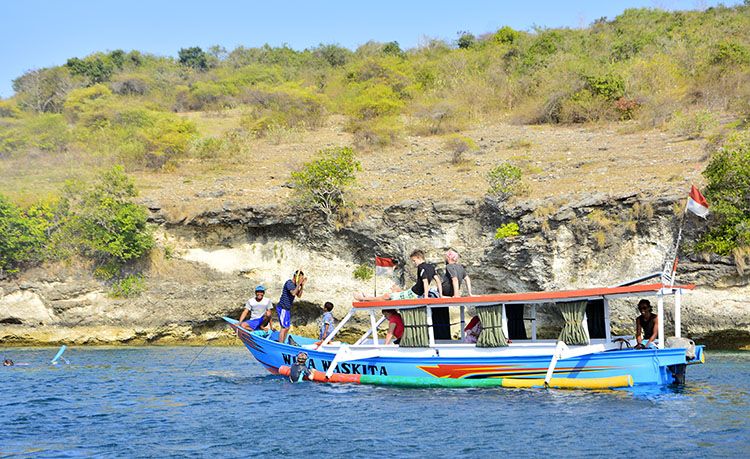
(573, 331)
(492, 334)
(415, 328)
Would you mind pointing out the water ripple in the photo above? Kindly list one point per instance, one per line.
(146, 402)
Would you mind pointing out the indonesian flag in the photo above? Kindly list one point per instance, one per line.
(384, 266)
(697, 204)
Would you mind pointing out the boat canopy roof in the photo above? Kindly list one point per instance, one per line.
(530, 297)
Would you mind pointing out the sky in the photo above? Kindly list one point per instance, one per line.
(42, 33)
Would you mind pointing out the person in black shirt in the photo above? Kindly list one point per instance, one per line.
(646, 325)
(425, 274)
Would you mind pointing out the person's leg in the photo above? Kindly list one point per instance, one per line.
(285, 321)
(362, 297)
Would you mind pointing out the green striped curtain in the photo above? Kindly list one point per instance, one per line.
(492, 326)
(573, 331)
(415, 328)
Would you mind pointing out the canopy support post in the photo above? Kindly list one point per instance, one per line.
(430, 331)
(677, 313)
(533, 322)
(373, 328)
(463, 321)
(505, 324)
(607, 327)
(660, 313)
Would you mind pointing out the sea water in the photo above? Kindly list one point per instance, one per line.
(150, 402)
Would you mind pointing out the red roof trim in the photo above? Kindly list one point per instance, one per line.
(521, 297)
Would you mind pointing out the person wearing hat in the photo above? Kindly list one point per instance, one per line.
(259, 308)
(646, 325)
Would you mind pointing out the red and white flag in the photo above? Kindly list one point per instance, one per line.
(384, 266)
(697, 204)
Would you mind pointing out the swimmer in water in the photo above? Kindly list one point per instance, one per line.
(7, 363)
(299, 371)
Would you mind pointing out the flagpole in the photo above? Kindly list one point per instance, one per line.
(673, 271)
(375, 277)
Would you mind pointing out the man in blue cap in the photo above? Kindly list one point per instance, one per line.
(260, 309)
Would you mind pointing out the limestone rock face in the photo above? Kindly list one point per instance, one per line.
(218, 256)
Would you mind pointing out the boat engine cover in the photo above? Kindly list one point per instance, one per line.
(687, 344)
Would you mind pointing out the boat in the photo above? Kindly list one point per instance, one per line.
(587, 354)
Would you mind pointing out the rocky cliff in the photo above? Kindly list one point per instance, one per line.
(211, 262)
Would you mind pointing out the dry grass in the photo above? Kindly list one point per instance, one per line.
(596, 159)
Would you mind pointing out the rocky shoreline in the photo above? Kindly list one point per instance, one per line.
(215, 258)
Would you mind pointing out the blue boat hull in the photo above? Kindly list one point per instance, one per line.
(648, 366)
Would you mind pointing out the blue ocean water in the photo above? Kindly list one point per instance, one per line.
(145, 402)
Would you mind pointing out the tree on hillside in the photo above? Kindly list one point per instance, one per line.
(323, 183)
(728, 192)
(43, 90)
(193, 57)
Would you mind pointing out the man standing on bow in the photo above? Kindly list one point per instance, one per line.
(292, 289)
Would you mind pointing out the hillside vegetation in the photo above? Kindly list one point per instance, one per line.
(505, 102)
(656, 67)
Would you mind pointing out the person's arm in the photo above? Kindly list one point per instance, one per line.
(242, 318)
(426, 284)
(456, 289)
(298, 289)
(468, 285)
(389, 335)
(638, 332)
(325, 329)
(439, 283)
(655, 334)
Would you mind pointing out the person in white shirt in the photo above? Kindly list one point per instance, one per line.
(259, 309)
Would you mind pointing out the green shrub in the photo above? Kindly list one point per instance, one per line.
(96, 68)
(466, 40)
(22, 236)
(44, 132)
(458, 146)
(694, 125)
(379, 132)
(610, 87)
(505, 181)
(130, 286)
(506, 36)
(110, 227)
(289, 106)
(375, 101)
(207, 147)
(193, 57)
(363, 272)
(9, 109)
(323, 183)
(728, 194)
(507, 230)
(729, 53)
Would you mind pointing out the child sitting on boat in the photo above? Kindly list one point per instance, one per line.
(326, 323)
